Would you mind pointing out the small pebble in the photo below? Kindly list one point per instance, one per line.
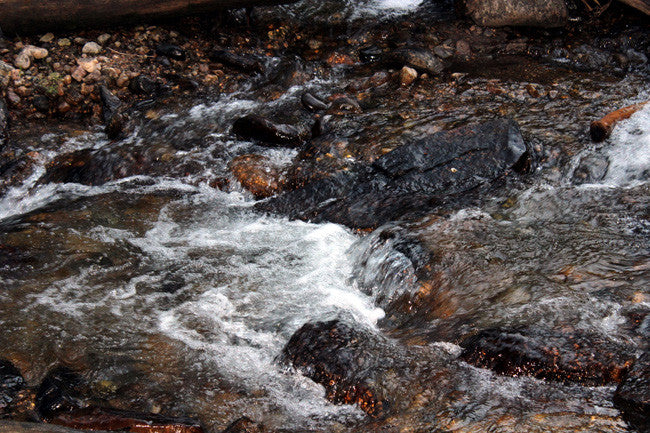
(92, 48)
(103, 38)
(47, 38)
(64, 42)
(407, 76)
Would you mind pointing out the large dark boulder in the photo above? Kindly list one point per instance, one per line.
(411, 178)
(632, 396)
(347, 361)
(571, 357)
(530, 13)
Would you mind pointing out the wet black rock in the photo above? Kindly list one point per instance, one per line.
(371, 54)
(412, 178)
(143, 85)
(60, 391)
(592, 168)
(343, 105)
(419, 59)
(92, 167)
(242, 63)
(265, 131)
(41, 103)
(113, 113)
(4, 122)
(312, 102)
(11, 383)
(530, 13)
(571, 357)
(340, 358)
(632, 396)
(172, 51)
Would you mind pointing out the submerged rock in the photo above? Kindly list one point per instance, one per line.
(530, 13)
(257, 175)
(411, 178)
(265, 131)
(92, 167)
(566, 357)
(632, 396)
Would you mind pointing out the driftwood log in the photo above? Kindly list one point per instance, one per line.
(30, 16)
(602, 128)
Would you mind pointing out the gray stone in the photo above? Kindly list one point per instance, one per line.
(92, 48)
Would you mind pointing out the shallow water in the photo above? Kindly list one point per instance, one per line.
(169, 294)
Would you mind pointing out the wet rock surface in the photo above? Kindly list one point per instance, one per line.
(11, 383)
(267, 132)
(410, 178)
(632, 396)
(571, 357)
(4, 120)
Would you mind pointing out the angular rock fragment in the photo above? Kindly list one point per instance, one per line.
(632, 396)
(529, 13)
(265, 131)
(113, 113)
(574, 357)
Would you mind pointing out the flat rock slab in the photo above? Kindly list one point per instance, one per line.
(411, 178)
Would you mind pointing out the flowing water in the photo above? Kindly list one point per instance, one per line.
(170, 294)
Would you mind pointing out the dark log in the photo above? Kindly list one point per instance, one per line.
(602, 128)
(642, 5)
(30, 16)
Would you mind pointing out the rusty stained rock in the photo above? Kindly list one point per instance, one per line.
(571, 357)
(257, 175)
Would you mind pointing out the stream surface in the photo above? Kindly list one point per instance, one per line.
(172, 295)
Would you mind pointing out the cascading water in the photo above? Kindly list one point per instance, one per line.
(168, 292)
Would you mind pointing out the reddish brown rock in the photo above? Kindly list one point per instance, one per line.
(257, 175)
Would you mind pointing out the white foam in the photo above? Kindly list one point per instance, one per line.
(629, 157)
